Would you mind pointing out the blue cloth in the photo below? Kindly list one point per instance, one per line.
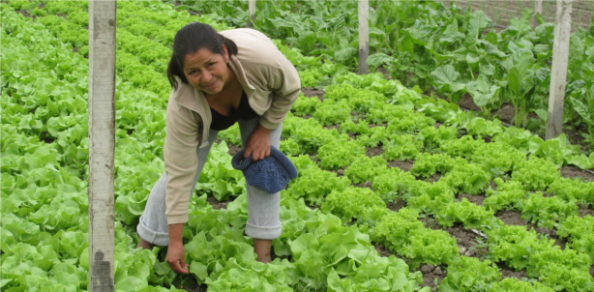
(270, 174)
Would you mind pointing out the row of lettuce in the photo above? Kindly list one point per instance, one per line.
(313, 263)
(446, 49)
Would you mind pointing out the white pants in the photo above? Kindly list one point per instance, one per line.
(263, 208)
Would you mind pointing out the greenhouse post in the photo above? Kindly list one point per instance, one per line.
(102, 40)
(252, 12)
(538, 9)
(559, 69)
(363, 36)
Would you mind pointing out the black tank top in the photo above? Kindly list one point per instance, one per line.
(243, 112)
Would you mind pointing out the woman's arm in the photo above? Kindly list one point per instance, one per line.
(258, 144)
(181, 140)
(286, 85)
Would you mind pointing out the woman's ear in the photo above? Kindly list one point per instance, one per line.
(226, 54)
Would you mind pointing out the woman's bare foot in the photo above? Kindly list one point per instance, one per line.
(262, 249)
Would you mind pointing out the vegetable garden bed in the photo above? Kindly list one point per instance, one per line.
(395, 192)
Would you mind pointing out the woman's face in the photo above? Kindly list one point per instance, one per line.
(207, 71)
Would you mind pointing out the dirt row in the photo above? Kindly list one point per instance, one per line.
(501, 12)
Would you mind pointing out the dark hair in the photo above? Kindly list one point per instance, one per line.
(190, 39)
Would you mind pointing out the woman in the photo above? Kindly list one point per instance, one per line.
(218, 79)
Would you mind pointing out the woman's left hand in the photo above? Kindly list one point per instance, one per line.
(258, 144)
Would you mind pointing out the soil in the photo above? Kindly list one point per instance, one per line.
(467, 103)
(403, 165)
(310, 92)
(432, 275)
(434, 178)
(507, 113)
(470, 243)
(376, 151)
(196, 288)
(511, 217)
(383, 250)
(493, 185)
(571, 171)
(337, 127)
(216, 204)
(396, 206)
(477, 199)
(507, 272)
(233, 149)
(25, 13)
(501, 12)
(585, 210)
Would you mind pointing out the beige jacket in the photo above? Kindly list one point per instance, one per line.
(271, 84)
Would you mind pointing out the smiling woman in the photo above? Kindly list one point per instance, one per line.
(218, 79)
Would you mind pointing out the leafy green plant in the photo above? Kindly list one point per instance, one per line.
(509, 196)
(314, 185)
(340, 153)
(333, 113)
(468, 178)
(429, 197)
(423, 246)
(426, 164)
(547, 211)
(515, 245)
(404, 147)
(535, 174)
(506, 158)
(465, 212)
(469, 274)
(351, 202)
(392, 184)
(516, 285)
(305, 105)
(365, 169)
(573, 190)
(308, 133)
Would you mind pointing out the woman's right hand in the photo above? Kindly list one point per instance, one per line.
(176, 254)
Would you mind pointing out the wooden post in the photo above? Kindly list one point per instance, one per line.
(559, 70)
(102, 40)
(538, 9)
(252, 11)
(363, 36)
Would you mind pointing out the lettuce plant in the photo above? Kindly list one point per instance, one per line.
(535, 174)
(573, 190)
(365, 169)
(407, 236)
(314, 185)
(375, 137)
(305, 105)
(351, 202)
(467, 213)
(404, 147)
(392, 184)
(340, 153)
(580, 233)
(427, 164)
(547, 211)
(468, 179)
(430, 197)
(516, 285)
(470, 274)
(509, 195)
(332, 112)
(464, 147)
